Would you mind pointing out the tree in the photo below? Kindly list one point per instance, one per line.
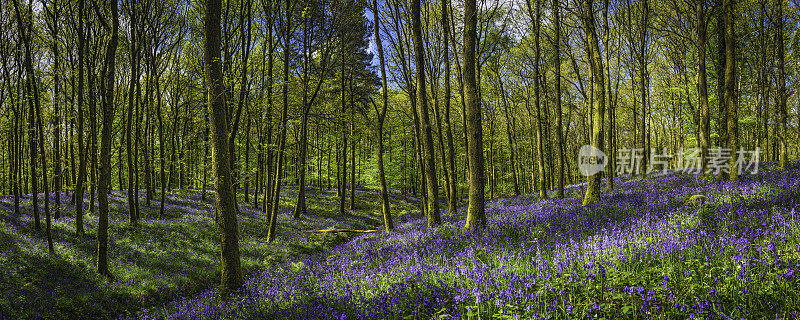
(276, 194)
(540, 133)
(598, 89)
(730, 84)
(451, 172)
(135, 48)
(107, 89)
(702, 87)
(429, 164)
(34, 119)
(476, 213)
(381, 114)
(224, 203)
(53, 25)
(79, 186)
(559, 111)
(31, 98)
(316, 32)
(782, 96)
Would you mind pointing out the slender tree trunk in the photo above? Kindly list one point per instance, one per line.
(352, 151)
(536, 17)
(387, 216)
(32, 98)
(162, 145)
(450, 166)
(643, 85)
(702, 87)
(268, 196)
(476, 215)
(558, 111)
(782, 110)
(79, 186)
(434, 218)
(730, 84)
(223, 180)
(610, 108)
(90, 81)
(107, 89)
(284, 117)
(132, 194)
(599, 95)
(722, 121)
(56, 114)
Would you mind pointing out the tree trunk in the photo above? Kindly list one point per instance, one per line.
(702, 88)
(599, 95)
(476, 215)
(559, 123)
(387, 216)
(107, 89)
(730, 85)
(782, 110)
(56, 114)
(223, 180)
(284, 117)
(422, 108)
(643, 85)
(79, 186)
(32, 99)
(132, 194)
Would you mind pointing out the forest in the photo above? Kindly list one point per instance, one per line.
(399, 159)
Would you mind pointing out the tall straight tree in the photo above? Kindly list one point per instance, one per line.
(476, 213)
(451, 171)
(702, 86)
(31, 97)
(54, 15)
(107, 90)
(558, 111)
(598, 93)
(276, 194)
(267, 4)
(429, 164)
(536, 18)
(35, 117)
(224, 204)
(315, 30)
(730, 84)
(246, 13)
(783, 114)
(381, 113)
(643, 84)
(135, 48)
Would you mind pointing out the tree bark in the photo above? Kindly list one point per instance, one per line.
(434, 218)
(223, 179)
(476, 214)
(79, 186)
(284, 117)
(702, 87)
(730, 85)
(107, 89)
(783, 114)
(559, 122)
(387, 215)
(599, 95)
(134, 56)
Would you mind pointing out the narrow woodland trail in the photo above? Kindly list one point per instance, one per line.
(161, 260)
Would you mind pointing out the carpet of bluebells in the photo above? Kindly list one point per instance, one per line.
(648, 249)
(163, 259)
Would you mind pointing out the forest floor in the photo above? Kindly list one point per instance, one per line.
(163, 258)
(648, 249)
